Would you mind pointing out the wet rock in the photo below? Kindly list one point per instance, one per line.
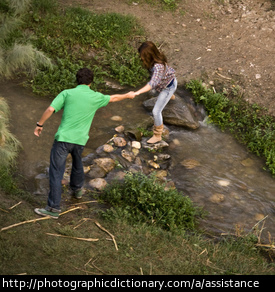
(108, 148)
(135, 151)
(88, 159)
(153, 164)
(119, 141)
(106, 163)
(116, 118)
(98, 183)
(162, 156)
(217, 198)
(135, 168)
(96, 172)
(247, 162)
(161, 174)
(177, 112)
(223, 183)
(134, 132)
(156, 146)
(119, 129)
(136, 144)
(127, 155)
(116, 176)
(169, 185)
(190, 163)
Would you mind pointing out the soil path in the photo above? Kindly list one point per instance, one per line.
(235, 39)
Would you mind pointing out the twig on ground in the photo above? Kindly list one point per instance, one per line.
(24, 222)
(71, 237)
(112, 236)
(93, 264)
(37, 219)
(82, 203)
(15, 205)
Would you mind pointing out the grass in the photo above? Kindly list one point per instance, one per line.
(9, 145)
(142, 247)
(162, 236)
(74, 38)
(250, 124)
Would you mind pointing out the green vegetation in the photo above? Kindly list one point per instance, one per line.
(74, 38)
(142, 199)
(155, 229)
(143, 247)
(17, 54)
(9, 145)
(250, 124)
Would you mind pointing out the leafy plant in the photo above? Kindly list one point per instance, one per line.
(142, 199)
(250, 124)
(79, 38)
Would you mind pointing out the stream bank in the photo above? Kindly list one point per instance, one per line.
(209, 166)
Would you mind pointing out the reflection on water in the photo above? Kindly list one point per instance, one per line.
(209, 166)
(223, 177)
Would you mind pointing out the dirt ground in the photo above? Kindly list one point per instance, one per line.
(224, 41)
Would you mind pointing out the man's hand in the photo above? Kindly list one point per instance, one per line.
(131, 94)
(37, 131)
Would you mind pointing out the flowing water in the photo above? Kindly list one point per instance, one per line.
(209, 166)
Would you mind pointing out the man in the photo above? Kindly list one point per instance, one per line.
(79, 107)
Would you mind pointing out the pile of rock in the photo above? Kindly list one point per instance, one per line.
(122, 154)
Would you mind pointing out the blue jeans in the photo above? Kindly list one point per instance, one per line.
(162, 100)
(59, 153)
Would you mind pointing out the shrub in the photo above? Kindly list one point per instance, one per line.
(142, 199)
(250, 124)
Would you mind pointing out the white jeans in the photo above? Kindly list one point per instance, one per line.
(162, 100)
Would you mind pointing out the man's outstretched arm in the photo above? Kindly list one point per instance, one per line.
(46, 115)
(119, 97)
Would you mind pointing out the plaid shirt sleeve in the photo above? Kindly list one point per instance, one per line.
(158, 72)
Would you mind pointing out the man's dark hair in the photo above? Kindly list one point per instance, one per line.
(84, 76)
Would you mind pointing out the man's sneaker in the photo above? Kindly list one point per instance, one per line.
(78, 194)
(45, 213)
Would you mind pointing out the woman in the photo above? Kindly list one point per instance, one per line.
(163, 80)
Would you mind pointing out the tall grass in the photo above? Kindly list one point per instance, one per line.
(17, 56)
(9, 145)
(250, 124)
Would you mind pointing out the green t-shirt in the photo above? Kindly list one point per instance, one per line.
(80, 105)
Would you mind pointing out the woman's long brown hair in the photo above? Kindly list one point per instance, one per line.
(150, 55)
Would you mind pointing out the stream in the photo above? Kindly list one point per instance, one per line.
(209, 166)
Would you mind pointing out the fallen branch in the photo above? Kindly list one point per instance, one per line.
(87, 202)
(70, 210)
(24, 222)
(272, 246)
(15, 205)
(71, 237)
(4, 210)
(88, 264)
(83, 220)
(112, 236)
(37, 219)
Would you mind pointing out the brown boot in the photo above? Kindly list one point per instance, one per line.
(157, 134)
